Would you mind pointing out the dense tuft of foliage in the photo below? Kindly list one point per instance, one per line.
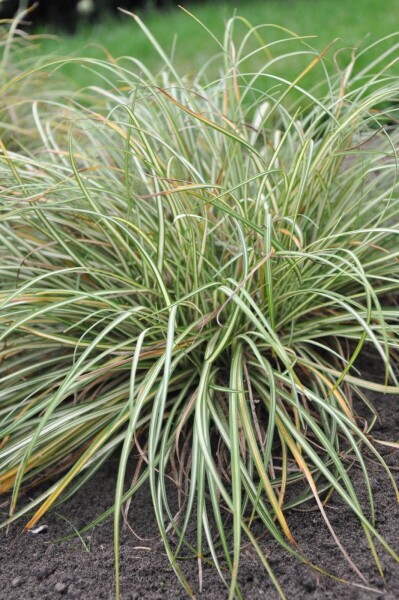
(189, 270)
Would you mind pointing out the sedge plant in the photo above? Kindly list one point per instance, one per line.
(190, 269)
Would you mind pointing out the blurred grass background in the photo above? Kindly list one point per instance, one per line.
(356, 23)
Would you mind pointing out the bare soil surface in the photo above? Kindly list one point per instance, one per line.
(33, 567)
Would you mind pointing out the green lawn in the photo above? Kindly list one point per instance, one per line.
(354, 23)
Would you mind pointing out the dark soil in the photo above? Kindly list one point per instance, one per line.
(32, 567)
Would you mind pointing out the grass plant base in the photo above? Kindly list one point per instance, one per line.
(85, 568)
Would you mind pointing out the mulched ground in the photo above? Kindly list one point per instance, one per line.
(31, 567)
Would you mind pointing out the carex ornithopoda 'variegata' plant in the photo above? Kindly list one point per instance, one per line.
(190, 267)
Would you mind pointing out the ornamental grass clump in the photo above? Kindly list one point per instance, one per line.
(190, 269)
